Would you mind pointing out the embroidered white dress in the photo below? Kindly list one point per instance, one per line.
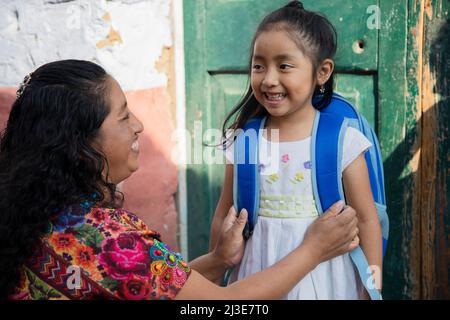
(287, 208)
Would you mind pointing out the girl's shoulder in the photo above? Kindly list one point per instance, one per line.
(355, 143)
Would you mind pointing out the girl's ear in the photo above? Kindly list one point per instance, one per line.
(324, 71)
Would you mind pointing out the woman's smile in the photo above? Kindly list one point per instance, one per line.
(135, 146)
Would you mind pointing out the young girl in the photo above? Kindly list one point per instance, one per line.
(291, 63)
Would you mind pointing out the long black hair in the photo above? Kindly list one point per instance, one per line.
(48, 159)
(313, 34)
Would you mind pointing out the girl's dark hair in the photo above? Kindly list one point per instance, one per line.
(313, 34)
(47, 157)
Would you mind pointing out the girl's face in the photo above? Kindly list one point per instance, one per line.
(281, 76)
(118, 136)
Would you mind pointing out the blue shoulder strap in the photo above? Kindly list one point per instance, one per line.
(326, 161)
(246, 172)
(327, 137)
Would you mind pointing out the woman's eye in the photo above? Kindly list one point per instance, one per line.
(126, 117)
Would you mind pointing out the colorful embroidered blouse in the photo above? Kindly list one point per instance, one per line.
(101, 253)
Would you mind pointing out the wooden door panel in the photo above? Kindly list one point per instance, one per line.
(230, 26)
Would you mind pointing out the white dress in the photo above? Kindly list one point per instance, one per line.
(287, 208)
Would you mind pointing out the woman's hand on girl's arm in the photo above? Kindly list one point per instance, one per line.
(228, 251)
(359, 195)
(331, 235)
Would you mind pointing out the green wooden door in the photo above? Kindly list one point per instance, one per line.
(371, 72)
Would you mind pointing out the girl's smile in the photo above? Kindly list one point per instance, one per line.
(274, 98)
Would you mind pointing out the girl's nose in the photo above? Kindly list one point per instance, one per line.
(270, 79)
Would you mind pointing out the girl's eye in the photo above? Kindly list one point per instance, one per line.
(257, 67)
(285, 66)
(126, 117)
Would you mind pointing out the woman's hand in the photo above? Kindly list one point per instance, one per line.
(231, 244)
(333, 234)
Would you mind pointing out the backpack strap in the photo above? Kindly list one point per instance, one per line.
(326, 148)
(326, 168)
(246, 172)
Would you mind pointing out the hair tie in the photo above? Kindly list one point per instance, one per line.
(23, 85)
(295, 4)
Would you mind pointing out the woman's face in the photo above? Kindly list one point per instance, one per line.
(118, 136)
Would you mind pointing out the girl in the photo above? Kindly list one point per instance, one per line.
(291, 63)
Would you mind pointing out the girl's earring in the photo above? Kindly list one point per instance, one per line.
(322, 89)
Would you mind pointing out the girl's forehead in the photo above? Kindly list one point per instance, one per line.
(276, 43)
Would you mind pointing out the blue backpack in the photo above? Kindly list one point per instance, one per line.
(326, 143)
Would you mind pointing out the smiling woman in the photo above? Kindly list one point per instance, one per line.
(70, 139)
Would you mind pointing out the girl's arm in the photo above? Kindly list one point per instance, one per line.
(328, 236)
(225, 203)
(359, 195)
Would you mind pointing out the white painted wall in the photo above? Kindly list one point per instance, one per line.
(34, 32)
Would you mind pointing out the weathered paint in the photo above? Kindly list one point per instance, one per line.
(128, 38)
(414, 134)
(436, 117)
(429, 88)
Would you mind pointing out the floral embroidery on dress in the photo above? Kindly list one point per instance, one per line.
(272, 178)
(299, 177)
(119, 258)
(307, 165)
(285, 158)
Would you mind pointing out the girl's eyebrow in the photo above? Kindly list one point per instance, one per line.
(283, 56)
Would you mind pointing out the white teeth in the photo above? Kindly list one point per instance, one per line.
(135, 146)
(275, 97)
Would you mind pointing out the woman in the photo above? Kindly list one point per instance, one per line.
(70, 139)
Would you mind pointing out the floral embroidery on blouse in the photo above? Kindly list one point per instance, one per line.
(285, 158)
(117, 255)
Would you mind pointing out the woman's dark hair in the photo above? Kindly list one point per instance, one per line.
(312, 33)
(47, 157)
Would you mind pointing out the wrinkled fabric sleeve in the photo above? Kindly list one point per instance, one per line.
(355, 143)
